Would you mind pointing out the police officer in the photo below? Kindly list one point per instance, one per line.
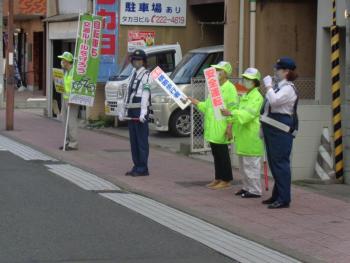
(72, 131)
(219, 132)
(279, 124)
(248, 144)
(137, 111)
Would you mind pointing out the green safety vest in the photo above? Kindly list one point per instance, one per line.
(68, 80)
(215, 130)
(246, 124)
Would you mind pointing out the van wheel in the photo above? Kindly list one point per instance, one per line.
(180, 123)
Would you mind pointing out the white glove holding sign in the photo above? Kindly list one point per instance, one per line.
(268, 82)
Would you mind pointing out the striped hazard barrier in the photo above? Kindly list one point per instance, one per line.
(324, 163)
(336, 98)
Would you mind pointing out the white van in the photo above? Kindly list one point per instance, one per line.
(164, 56)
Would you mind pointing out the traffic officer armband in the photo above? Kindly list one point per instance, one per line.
(147, 86)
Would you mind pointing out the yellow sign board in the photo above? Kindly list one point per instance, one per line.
(58, 78)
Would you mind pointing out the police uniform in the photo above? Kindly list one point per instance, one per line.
(279, 123)
(137, 107)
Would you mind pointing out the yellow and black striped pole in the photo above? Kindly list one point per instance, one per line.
(336, 101)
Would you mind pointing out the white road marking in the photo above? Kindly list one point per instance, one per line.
(82, 178)
(231, 245)
(23, 151)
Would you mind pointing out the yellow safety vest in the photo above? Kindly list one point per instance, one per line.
(68, 80)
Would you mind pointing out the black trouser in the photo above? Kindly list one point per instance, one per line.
(222, 162)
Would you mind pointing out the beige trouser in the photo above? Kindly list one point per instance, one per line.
(250, 169)
(72, 132)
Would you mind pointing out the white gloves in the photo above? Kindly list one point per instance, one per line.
(121, 116)
(142, 118)
(143, 114)
(268, 81)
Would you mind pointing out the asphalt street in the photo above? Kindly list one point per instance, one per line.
(44, 218)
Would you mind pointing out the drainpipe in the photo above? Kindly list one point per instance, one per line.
(241, 37)
(252, 33)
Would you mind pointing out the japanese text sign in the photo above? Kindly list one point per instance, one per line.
(58, 79)
(109, 10)
(87, 60)
(214, 91)
(153, 12)
(139, 39)
(163, 80)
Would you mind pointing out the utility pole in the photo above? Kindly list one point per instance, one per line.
(2, 88)
(10, 93)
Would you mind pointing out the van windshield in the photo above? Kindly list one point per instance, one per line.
(126, 70)
(187, 68)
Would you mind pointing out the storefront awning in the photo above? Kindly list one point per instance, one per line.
(204, 2)
(61, 18)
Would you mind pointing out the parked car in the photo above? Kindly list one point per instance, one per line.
(167, 116)
(164, 56)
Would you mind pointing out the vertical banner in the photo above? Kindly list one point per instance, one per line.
(109, 10)
(87, 60)
(213, 84)
(163, 80)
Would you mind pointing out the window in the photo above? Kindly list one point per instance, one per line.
(165, 60)
(212, 59)
(187, 67)
(151, 62)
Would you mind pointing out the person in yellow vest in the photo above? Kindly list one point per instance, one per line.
(219, 132)
(246, 128)
(72, 131)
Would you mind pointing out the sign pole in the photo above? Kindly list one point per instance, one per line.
(66, 128)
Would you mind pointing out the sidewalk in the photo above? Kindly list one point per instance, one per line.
(316, 228)
(28, 100)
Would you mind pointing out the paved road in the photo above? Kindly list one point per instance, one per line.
(45, 218)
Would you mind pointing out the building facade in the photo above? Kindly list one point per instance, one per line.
(29, 41)
(62, 22)
(257, 33)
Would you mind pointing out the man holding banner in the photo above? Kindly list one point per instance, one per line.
(217, 128)
(81, 75)
(70, 121)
